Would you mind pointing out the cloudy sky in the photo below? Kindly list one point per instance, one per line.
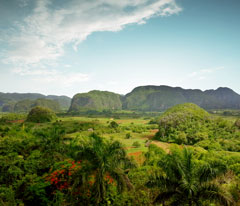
(65, 47)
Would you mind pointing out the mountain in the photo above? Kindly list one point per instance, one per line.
(26, 105)
(10, 99)
(63, 101)
(143, 98)
(152, 98)
(160, 98)
(225, 97)
(96, 100)
(15, 97)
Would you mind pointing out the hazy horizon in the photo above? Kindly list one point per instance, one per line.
(63, 48)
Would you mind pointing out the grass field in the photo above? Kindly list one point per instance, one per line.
(139, 129)
(128, 132)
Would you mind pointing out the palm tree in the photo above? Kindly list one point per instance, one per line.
(183, 181)
(104, 159)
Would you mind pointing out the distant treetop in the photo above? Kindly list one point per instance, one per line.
(41, 114)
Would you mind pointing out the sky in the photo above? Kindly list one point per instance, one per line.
(67, 47)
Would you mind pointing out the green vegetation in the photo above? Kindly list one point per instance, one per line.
(136, 144)
(182, 179)
(122, 160)
(16, 102)
(25, 106)
(223, 101)
(96, 100)
(40, 115)
(237, 123)
(152, 98)
(12, 117)
(191, 125)
(160, 98)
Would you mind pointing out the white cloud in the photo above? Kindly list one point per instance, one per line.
(28, 50)
(201, 74)
(33, 72)
(53, 76)
(41, 36)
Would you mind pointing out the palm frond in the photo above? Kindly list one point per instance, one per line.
(215, 193)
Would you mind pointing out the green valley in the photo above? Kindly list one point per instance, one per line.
(184, 156)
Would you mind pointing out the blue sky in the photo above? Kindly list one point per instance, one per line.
(66, 47)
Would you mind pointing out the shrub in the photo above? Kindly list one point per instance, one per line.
(128, 135)
(136, 144)
(237, 123)
(113, 125)
(40, 115)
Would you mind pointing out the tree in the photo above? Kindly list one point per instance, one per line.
(185, 181)
(41, 114)
(114, 125)
(237, 123)
(105, 161)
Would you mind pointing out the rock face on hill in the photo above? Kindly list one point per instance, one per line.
(8, 100)
(96, 100)
(160, 98)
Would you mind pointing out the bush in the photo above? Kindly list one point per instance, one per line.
(136, 144)
(128, 135)
(113, 125)
(40, 115)
(237, 123)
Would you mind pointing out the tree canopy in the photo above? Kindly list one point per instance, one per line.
(40, 114)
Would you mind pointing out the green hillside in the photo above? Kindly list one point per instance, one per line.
(63, 101)
(160, 98)
(189, 124)
(96, 100)
(143, 98)
(8, 100)
(26, 105)
(153, 98)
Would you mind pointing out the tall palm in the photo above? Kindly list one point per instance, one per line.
(104, 158)
(186, 182)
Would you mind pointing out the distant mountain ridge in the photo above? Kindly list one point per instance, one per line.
(142, 98)
(12, 98)
(156, 98)
(24, 106)
(159, 98)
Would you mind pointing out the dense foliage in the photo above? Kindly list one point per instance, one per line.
(189, 124)
(12, 117)
(105, 161)
(40, 115)
(184, 177)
